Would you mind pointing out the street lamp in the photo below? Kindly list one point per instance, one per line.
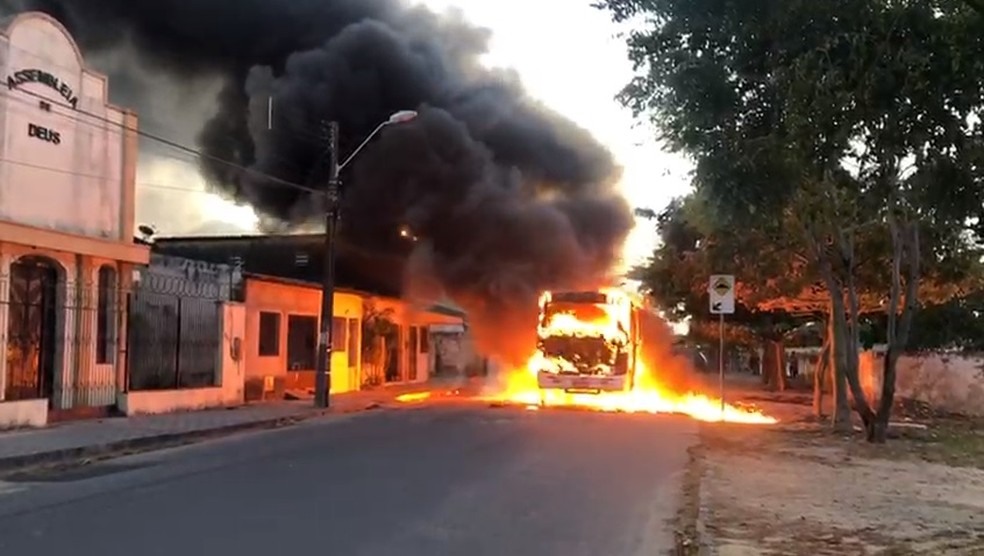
(322, 379)
(397, 118)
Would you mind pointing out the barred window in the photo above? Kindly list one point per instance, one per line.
(105, 315)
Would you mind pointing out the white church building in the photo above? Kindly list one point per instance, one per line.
(67, 186)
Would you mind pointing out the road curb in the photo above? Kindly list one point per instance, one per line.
(690, 532)
(79, 455)
(702, 539)
(153, 442)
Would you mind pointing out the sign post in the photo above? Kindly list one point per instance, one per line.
(721, 290)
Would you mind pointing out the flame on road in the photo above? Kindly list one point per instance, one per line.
(570, 328)
(413, 397)
(646, 397)
(596, 334)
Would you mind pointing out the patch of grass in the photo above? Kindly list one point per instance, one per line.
(956, 442)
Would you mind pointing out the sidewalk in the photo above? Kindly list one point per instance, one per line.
(73, 441)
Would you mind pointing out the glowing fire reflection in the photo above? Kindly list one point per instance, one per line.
(413, 397)
(646, 397)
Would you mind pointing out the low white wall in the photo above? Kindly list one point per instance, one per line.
(168, 401)
(952, 383)
(26, 413)
(233, 357)
(229, 393)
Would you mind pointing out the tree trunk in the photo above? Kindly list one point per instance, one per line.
(774, 365)
(819, 373)
(905, 243)
(844, 321)
(837, 360)
(850, 373)
(853, 337)
(818, 377)
(765, 365)
(877, 431)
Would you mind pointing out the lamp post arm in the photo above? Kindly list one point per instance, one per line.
(361, 146)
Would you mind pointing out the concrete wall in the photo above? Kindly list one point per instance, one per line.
(27, 413)
(951, 383)
(60, 169)
(172, 275)
(230, 391)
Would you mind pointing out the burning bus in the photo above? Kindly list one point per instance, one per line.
(605, 350)
(587, 342)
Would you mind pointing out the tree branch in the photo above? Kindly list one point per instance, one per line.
(976, 5)
(912, 286)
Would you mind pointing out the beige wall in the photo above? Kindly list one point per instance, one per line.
(78, 182)
(952, 383)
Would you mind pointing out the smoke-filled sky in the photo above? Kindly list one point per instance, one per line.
(568, 55)
(508, 196)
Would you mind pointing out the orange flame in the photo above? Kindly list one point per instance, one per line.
(646, 397)
(413, 397)
(611, 320)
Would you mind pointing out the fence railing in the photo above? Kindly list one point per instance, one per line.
(70, 340)
(60, 339)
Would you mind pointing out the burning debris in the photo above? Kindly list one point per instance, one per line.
(414, 397)
(504, 198)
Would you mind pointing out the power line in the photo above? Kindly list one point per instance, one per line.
(150, 185)
(173, 144)
(309, 133)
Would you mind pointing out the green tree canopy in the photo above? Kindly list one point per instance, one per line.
(850, 127)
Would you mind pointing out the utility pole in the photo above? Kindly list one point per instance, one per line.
(322, 381)
(721, 360)
(721, 292)
(333, 207)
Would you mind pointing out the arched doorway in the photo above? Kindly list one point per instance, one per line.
(32, 329)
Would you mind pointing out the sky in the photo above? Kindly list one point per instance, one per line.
(569, 57)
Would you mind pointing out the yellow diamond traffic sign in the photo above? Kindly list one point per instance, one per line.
(722, 287)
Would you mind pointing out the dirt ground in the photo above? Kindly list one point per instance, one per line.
(798, 489)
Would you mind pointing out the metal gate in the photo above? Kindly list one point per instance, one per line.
(31, 340)
(175, 334)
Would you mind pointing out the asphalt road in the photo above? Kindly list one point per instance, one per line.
(455, 481)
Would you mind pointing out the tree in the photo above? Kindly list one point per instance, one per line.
(378, 328)
(692, 248)
(840, 119)
(953, 326)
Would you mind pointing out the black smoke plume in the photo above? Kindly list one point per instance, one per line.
(505, 197)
